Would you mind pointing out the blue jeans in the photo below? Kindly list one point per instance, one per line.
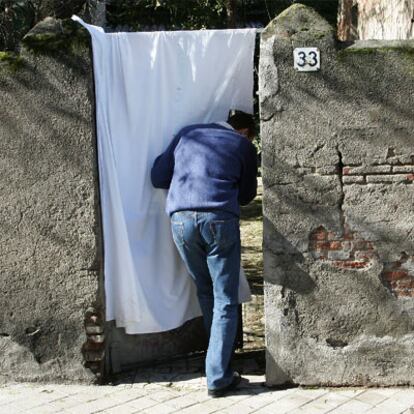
(209, 244)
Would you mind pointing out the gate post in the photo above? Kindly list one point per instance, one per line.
(338, 172)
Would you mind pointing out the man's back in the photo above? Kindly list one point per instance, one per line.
(214, 168)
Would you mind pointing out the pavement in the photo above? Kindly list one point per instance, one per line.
(159, 390)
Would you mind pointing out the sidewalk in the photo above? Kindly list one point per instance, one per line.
(166, 392)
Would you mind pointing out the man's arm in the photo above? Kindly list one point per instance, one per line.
(163, 167)
(248, 180)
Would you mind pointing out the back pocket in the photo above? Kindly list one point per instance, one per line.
(225, 232)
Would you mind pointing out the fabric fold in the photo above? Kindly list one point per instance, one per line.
(148, 86)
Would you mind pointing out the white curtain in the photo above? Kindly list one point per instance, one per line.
(148, 86)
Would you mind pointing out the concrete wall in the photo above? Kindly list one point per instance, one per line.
(338, 164)
(52, 324)
(49, 226)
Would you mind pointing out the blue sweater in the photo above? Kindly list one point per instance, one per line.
(207, 167)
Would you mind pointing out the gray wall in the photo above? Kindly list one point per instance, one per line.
(49, 226)
(338, 164)
(51, 279)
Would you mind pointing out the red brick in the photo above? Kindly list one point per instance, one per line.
(405, 293)
(334, 245)
(348, 264)
(406, 284)
(395, 275)
(348, 234)
(368, 255)
(410, 177)
(319, 234)
(346, 170)
(321, 245)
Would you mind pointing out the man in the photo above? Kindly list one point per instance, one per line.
(211, 169)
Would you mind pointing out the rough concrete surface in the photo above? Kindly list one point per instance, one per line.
(338, 196)
(49, 226)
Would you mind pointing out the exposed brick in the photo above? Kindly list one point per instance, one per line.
(319, 234)
(344, 252)
(410, 177)
(320, 245)
(363, 245)
(368, 169)
(334, 245)
(90, 312)
(394, 275)
(327, 170)
(364, 255)
(92, 346)
(348, 234)
(98, 339)
(405, 293)
(353, 179)
(351, 264)
(406, 284)
(346, 170)
(94, 319)
(403, 168)
(395, 178)
(93, 329)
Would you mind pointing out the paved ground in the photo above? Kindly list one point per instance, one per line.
(159, 393)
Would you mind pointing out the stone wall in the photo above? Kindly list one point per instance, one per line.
(49, 227)
(338, 164)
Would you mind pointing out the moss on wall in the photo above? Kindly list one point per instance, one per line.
(53, 36)
(10, 61)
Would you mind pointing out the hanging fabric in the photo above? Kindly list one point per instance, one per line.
(148, 86)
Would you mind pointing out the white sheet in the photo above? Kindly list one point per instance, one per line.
(148, 86)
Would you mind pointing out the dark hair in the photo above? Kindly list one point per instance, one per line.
(240, 120)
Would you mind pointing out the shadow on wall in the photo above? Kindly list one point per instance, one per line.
(50, 229)
(288, 262)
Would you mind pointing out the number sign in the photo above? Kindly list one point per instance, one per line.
(307, 59)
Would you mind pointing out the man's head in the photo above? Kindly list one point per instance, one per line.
(243, 123)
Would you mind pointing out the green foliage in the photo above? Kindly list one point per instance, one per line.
(16, 18)
(203, 14)
(169, 15)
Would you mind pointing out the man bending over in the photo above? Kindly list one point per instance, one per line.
(211, 169)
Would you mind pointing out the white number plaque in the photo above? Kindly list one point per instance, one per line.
(307, 59)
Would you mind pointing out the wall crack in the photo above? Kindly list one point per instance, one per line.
(340, 166)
